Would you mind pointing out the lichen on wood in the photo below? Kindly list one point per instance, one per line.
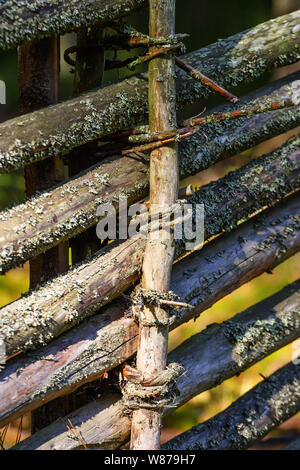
(202, 278)
(58, 129)
(248, 419)
(44, 221)
(23, 21)
(209, 357)
(28, 323)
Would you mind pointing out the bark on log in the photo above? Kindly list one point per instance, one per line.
(249, 418)
(210, 357)
(58, 129)
(52, 217)
(27, 20)
(109, 338)
(158, 259)
(37, 318)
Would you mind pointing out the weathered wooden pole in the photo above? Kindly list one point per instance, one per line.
(159, 253)
(39, 65)
(39, 87)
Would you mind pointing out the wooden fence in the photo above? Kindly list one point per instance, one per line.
(74, 325)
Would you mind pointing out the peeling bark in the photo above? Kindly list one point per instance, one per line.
(23, 21)
(108, 338)
(58, 129)
(214, 355)
(46, 220)
(249, 418)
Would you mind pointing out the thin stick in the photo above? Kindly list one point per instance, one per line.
(205, 80)
(74, 431)
(152, 55)
(157, 265)
(192, 125)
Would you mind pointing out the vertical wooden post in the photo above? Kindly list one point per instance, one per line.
(89, 69)
(39, 87)
(158, 259)
(39, 64)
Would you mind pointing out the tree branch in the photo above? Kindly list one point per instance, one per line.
(249, 418)
(29, 323)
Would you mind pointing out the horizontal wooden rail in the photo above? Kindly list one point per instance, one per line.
(57, 129)
(209, 357)
(109, 338)
(25, 21)
(48, 219)
(249, 418)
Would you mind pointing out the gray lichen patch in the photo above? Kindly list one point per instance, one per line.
(245, 56)
(26, 20)
(248, 419)
(239, 194)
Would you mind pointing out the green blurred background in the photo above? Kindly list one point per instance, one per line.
(206, 21)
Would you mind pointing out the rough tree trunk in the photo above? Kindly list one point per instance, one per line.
(39, 65)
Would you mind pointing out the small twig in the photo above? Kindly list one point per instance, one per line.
(152, 55)
(186, 191)
(118, 64)
(205, 80)
(219, 117)
(72, 429)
